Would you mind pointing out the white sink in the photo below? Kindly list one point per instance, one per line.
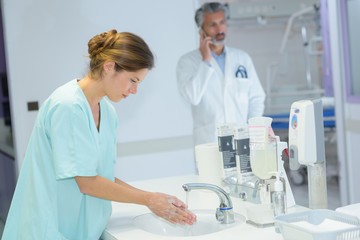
(206, 224)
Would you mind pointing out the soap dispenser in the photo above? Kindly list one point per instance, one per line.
(278, 198)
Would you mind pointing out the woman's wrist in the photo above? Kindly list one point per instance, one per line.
(147, 197)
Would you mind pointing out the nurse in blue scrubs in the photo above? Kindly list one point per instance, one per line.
(67, 182)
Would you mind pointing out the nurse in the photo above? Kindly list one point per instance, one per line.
(67, 182)
(220, 83)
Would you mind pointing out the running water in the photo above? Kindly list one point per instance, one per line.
(187, 199)
(188, 230)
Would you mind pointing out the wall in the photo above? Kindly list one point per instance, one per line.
(46, 45)
(2, 68)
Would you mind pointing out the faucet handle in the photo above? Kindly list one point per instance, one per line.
(219, 215)
(224, 216)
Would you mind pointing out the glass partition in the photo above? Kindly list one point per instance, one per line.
(350, 18)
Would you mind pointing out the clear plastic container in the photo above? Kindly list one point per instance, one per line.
(263, 155)
(278, 197)
(318, 225)
(278, 200)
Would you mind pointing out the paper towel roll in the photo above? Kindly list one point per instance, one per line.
(208, 163)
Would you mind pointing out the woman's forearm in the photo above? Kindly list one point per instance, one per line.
(118, 181)
(163, 205)
(118, 191)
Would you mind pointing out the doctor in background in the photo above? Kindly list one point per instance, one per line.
(219, 82)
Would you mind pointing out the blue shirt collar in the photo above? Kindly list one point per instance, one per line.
(222, 55)
(220, 59)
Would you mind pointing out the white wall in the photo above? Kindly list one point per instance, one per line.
(46, 45)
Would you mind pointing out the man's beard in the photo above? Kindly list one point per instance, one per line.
(219, 42)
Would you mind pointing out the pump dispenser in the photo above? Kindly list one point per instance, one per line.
(278, 197)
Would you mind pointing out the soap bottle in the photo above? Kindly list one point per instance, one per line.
(278, 198)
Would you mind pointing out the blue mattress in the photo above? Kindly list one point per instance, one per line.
(281, 121)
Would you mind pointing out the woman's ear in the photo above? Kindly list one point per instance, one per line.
(108, 66)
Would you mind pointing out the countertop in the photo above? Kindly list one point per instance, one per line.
(120, 225)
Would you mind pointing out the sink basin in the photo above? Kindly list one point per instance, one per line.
(206, 224)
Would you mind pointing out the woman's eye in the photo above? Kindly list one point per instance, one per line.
(132, 81)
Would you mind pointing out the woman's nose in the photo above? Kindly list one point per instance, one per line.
(133, 89)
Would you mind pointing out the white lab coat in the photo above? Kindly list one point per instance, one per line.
(217, 98)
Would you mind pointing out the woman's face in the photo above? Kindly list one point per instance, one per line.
(119, 85)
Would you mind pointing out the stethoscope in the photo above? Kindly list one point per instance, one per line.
(242, 71)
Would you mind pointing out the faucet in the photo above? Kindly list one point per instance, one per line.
(224, 213)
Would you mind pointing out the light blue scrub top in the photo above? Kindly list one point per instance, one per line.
(65, 143)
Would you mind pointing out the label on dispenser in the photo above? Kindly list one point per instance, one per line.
(227, 151)
(226, 148)
(242, 149)
(258, 134)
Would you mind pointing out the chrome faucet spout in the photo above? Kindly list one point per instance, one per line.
(224, 213)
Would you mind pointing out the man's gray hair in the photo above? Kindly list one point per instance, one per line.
(210, 7)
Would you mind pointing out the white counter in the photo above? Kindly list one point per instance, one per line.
(120, 225)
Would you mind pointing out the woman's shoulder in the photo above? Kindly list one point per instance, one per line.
(66, 97)
(67, 93)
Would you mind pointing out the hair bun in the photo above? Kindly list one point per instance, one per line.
(101, 42)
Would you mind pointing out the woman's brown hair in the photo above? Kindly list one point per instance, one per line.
(127, 50)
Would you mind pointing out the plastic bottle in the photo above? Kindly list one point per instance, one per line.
(263, 155)
(278, 198)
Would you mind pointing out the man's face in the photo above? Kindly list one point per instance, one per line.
(215, 27)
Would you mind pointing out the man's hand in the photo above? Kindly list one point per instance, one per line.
(205, 46)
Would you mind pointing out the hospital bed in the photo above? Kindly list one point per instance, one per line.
(281, 121)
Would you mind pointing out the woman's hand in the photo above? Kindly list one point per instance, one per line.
(170, 208)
